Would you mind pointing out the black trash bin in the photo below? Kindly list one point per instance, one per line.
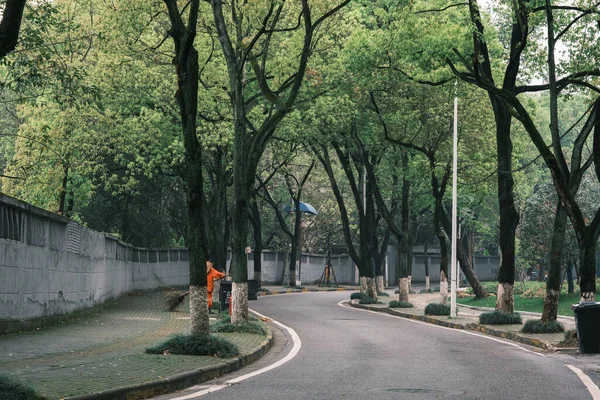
(225, 295)
(252, 289)
(587, 321)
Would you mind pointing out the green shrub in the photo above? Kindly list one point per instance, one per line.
(366, 299)
(196, 345)
(536, 326)
(500, 318)
(426, 291)
(382, 294)
(13, 389)
(363, 298)
(437, 309)
(400, 304)
(225, 325)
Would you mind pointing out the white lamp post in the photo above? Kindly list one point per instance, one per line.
(453, 266)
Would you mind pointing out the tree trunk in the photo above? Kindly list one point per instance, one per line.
(505, 299)
(403, 290)
(570, 283)
(465, 261)
(239, 305)
(427, 282)
(587, 257)
(550, 312)
(12, 14)
(258, 244)
(380, 286)
(198, 309)
(62, 195)
(443, 287)
(371, 287)
(186, 66)
(509, 218)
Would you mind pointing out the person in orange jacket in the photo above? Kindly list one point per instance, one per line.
(212, 275)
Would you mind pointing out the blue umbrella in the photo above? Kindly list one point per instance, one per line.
(304, 207)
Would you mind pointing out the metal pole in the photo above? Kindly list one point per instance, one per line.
(454, 269)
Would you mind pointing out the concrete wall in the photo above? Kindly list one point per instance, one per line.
(50, 265)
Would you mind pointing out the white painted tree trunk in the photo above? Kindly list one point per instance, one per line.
(427, 284)
(587, 296)
(380, 284)
(410, 284)
(371, 288)
(199, 310)
(443, 287)
(363, 284)
(239, 298)
(403, 289)
(505, 298)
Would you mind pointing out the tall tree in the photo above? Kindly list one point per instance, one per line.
(186, 66)
(241, 43)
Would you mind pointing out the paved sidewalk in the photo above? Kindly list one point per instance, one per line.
(105, 353)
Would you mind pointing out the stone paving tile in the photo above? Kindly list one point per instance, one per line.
(105, 351)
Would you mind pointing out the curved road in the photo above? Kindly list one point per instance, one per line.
(348, 353)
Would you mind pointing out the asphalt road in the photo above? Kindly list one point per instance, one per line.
(347, 353)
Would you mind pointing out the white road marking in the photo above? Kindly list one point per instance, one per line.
(589, 384)
(341, 304)
(295, 349)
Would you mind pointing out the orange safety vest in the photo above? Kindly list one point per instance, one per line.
(213, 275)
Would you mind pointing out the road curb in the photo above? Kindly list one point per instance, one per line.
(182, 380)
(290, 291)
(470, 326)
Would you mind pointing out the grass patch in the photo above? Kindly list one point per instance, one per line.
(426, 291)
(225, 325)
(382, 294)
(13, 389)
(500, 318)
(265, 290)
(537, 326)
(437, 309)
(527, 304)
(401, 304)
(196, 345)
